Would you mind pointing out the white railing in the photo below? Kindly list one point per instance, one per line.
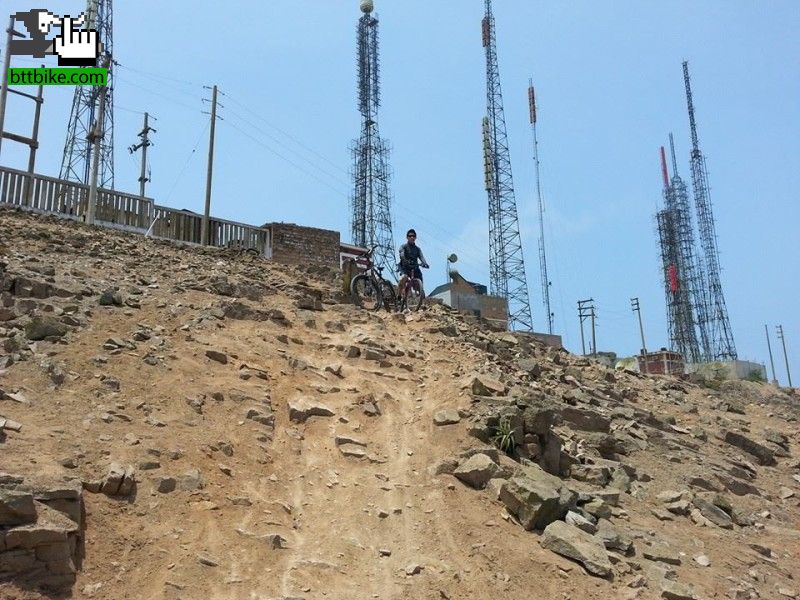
(115, 209)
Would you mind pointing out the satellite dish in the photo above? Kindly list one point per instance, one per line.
(452, 258)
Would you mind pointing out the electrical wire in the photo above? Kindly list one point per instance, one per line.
(186, 164)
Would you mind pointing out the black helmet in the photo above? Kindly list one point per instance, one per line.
(411, 232)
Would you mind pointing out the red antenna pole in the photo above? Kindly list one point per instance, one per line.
(664, 171)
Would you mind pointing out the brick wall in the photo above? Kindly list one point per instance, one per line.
(294, 244)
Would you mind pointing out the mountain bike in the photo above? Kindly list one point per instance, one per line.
(370, 290)
(413, 296)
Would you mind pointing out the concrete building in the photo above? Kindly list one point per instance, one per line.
(472, 298)
(730, 369)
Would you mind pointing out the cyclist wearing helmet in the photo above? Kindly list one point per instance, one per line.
(411, 258)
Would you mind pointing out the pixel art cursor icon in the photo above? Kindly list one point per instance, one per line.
(74, 47)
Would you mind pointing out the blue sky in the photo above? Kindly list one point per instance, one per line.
(610, 89)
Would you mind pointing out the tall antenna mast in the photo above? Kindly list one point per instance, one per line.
(78, 148)
(506, 261)
(675, 238)
(371, 221)
(542, 253)
(720, 335)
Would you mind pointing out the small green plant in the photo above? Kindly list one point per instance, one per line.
(756, 376)
(503, 437)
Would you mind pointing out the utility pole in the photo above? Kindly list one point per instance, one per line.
(37, 113)
(771, 362)
(4, 83)
(779, 328)
(206, 213)
(586, 311)
(96, 139)
(144, 144)
(638, 310)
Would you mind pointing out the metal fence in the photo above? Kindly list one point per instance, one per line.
(118, 210)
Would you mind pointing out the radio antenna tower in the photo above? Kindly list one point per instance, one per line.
(542, 253)
(675, 237)
(506, 262)
(77, 159)
(716, 312)
(371, 224)
(692, 268)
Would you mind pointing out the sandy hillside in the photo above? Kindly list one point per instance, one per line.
(274, 442)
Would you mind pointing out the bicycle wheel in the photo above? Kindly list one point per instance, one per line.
(414, 295)
(365, 293)
(388, 296)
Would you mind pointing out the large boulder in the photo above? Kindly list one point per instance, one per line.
(763, 455)
(537, 498)
(477, 470)
(586, 419)
(486, 386)
(571, 542)
(40, 328)
(301, 409)
(16, 508)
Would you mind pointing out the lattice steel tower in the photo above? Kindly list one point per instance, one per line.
(677, 259)
(545, 279)
(506, 262)
(371, 221)
(77, 159)
(718, 328)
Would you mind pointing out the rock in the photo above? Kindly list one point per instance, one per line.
(612, 538)
(661, 514)
(477, 471)
(301, 409)
(673, 590)
(413, 569)
(335, 369)
(764, 456)
(486, 386)
(586, 419)
(120, 481)
(494, 486)
(737, 486)
(681, 507)
(660, 553)
(349, 439)
(190, 481)
(16, 508)
(537, 498)
(373, 354)
(702, 560)
(598, 475)
(217, 356)
(713, 513)
(353, 450)
(571, 542)
(40, 328)
(785, 493)
(598, 508)
(446, 417)
(165, 485)
(254, 414)
(669, 496)
(111, 297)
(581, 522)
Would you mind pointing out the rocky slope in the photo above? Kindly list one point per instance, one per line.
(185, 423)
